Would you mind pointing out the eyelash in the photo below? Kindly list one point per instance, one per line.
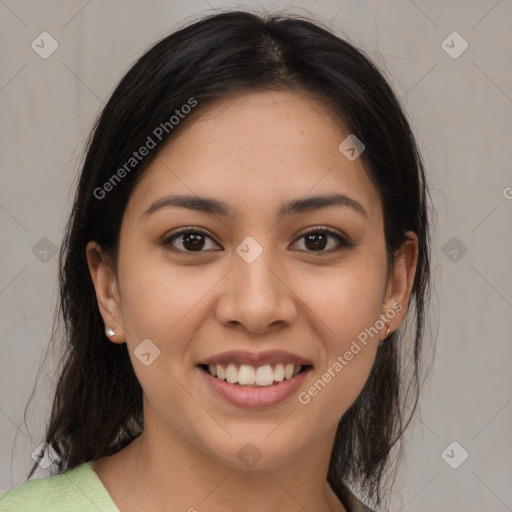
(317, 229)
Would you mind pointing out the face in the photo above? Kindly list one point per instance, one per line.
(238, 282)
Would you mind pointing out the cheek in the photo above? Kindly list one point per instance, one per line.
(167, 305)
(158, 304)
(349, 298)
(348, 347)
(157, 296)
(348, 301)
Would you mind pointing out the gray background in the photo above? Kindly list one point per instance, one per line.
(460, 109)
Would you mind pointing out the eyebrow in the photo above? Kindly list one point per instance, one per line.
(214, 207)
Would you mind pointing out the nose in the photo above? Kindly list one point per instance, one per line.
(257, 296)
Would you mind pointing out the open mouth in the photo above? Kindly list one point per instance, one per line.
(255, 376)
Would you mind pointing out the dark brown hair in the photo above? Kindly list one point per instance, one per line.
(97, 408)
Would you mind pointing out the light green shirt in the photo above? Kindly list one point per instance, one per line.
(76, 490)
(81, 490)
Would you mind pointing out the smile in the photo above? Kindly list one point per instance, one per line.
(254, 376)
(253, 395)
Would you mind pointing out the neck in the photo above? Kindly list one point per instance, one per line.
(150, 474)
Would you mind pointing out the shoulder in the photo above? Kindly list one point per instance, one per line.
(78, 489)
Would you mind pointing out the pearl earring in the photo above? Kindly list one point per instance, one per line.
(109, 331)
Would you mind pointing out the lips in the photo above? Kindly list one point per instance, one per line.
(255, 379)
(254, 397)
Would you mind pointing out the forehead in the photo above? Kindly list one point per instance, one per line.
(257, 149)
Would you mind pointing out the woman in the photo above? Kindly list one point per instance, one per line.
(249, 232)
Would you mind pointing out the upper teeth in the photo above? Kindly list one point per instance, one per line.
(248, 375)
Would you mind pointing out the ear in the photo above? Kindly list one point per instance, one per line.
(107, 290)
(401, 279)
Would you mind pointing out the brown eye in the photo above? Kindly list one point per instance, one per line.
(191, 240)
(318, 239)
